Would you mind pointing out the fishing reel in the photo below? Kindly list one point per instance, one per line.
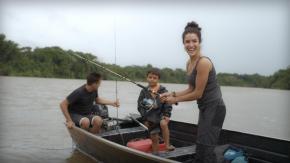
(101, 110)
(110, 124)
(149, 103)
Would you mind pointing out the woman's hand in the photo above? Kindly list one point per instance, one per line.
(171, 100)
(163, 99)
(164, 96)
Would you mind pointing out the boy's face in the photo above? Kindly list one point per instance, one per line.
(152, 79)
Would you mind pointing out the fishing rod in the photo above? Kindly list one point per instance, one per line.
(120, 76)
(116, 85)
(134, 119)
(109, 70)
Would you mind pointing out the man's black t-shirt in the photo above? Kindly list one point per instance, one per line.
(81, 101)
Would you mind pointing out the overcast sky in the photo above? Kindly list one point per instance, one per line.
(240, 37)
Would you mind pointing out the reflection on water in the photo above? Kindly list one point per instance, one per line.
(32, 128)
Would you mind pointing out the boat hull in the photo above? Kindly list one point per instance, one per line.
(107, 151)
(110, 146)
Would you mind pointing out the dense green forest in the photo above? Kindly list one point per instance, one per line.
(59, 63)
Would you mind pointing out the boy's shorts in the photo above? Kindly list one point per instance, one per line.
(154, 128)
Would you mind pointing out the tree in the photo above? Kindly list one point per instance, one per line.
(57, 62)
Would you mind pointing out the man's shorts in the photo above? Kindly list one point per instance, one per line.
(77, 118)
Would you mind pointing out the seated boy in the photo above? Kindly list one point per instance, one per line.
(155, 113)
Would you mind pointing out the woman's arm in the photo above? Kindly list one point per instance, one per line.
(184, 92)
(189, 89)
(176, 94)
(203, 70)
(179, 93)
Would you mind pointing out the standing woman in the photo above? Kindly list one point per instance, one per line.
(204, 88)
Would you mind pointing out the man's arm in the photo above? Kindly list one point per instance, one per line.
(107, 102)
(64, 108)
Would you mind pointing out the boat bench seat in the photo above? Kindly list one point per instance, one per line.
(124, 135)
(190, 150)
(178, 152)
(122, 131)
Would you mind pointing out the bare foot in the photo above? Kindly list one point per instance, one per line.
(170, 148)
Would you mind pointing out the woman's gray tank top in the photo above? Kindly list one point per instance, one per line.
(212, 90)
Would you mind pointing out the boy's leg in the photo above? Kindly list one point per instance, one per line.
(96, 122)
(154, 136)
(166, 134)
(155, 142)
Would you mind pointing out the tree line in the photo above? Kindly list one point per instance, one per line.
(59, 63)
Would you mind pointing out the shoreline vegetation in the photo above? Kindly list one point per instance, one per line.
(55, 62)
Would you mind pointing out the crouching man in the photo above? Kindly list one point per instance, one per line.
(78, 107)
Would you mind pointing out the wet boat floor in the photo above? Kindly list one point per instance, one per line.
(181, 153)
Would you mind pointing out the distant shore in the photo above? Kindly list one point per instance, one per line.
(55, 62)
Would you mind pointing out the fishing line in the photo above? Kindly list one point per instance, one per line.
(116, 82)
(120, 76)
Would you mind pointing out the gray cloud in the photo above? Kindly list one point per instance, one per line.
(240, 37)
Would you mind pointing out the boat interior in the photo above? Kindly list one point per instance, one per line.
(183, 136)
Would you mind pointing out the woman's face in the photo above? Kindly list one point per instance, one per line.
(191, 44)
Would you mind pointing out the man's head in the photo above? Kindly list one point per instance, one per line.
(94, 80)
(153, 77)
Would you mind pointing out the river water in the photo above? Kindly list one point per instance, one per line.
(32, 126)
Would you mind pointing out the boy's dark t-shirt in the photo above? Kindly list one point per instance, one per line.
(81, 101)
